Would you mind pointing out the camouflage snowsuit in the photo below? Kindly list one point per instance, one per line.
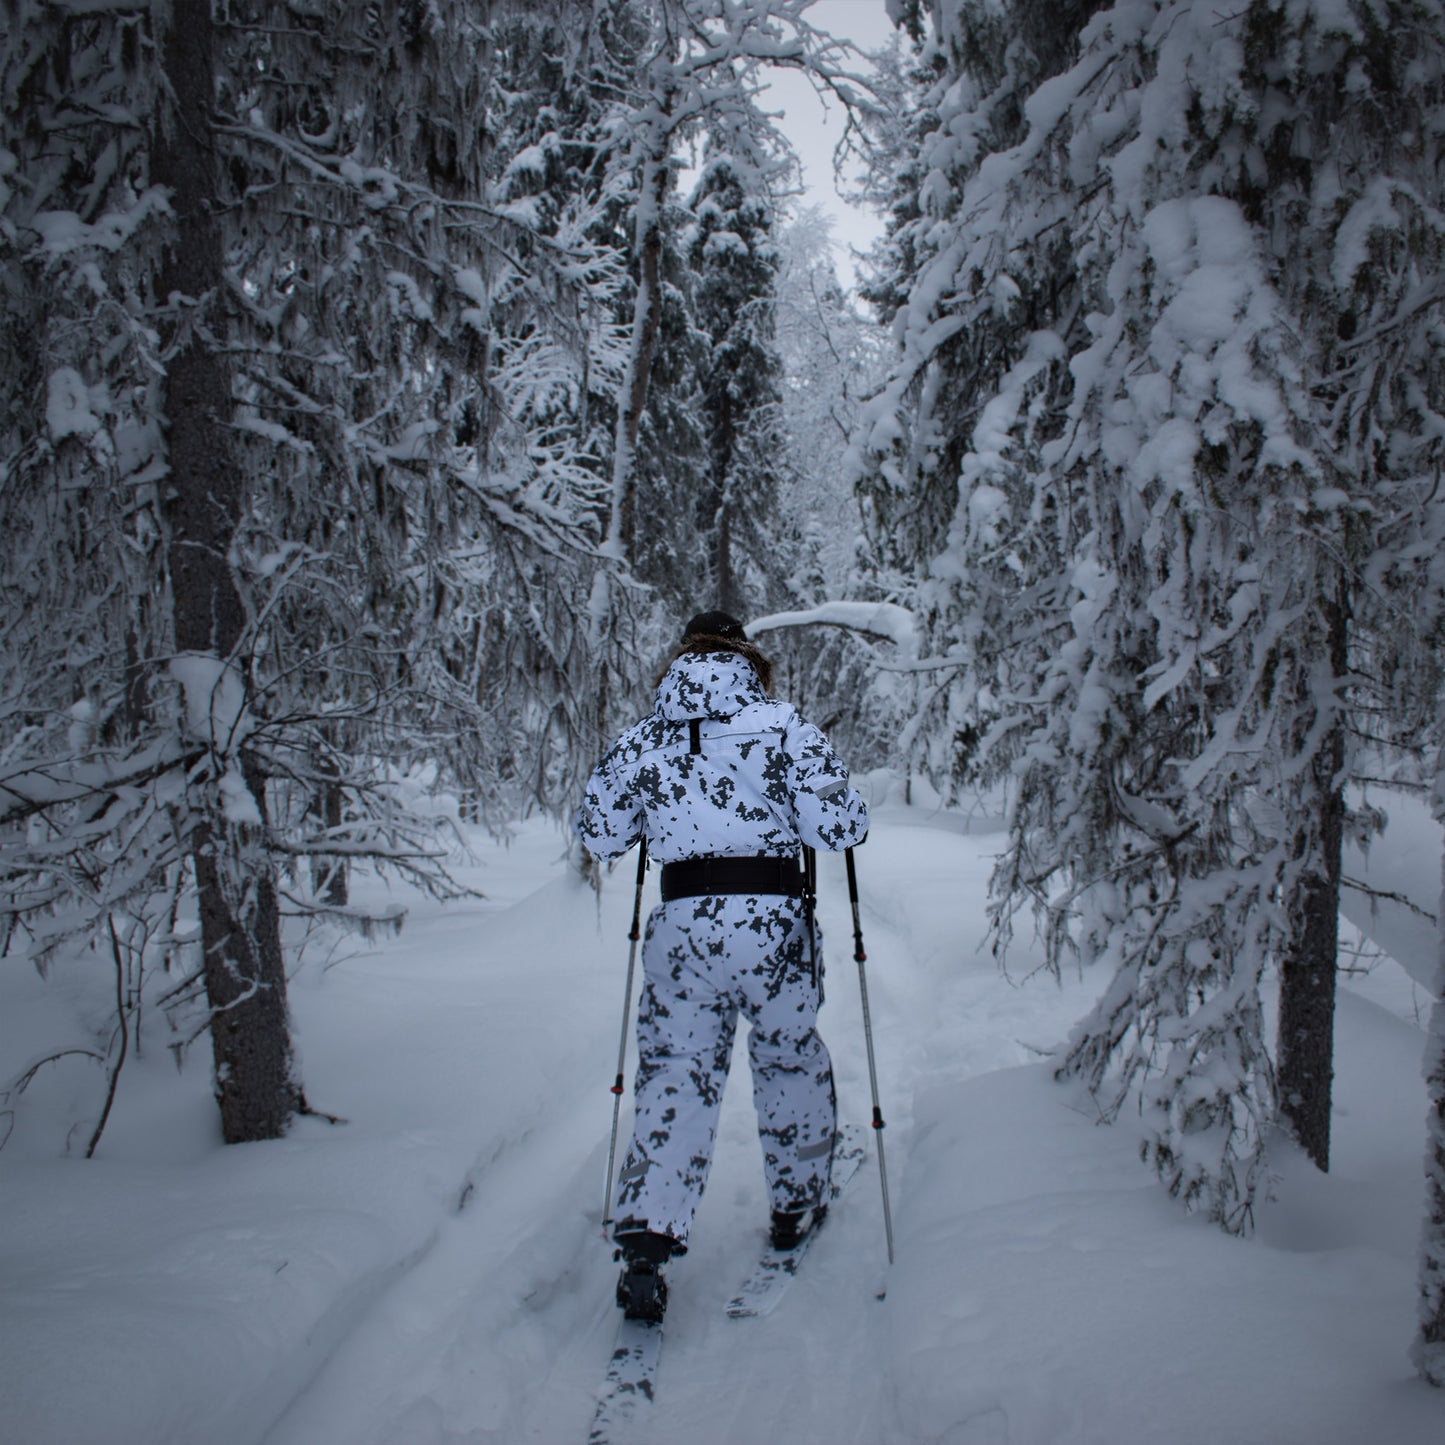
(718, 769)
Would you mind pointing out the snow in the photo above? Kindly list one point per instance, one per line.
(62, 232)
(68, 405)
(1372, 213)
(431, 1272)
(215, 696)
(882, 619)
(1405, 861)
(272, 432)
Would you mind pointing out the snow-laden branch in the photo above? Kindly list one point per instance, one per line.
(877, 621)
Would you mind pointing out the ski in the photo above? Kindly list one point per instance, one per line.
(772, 1274)
(630, 1380)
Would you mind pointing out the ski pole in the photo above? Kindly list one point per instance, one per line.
(860, 957)
(618, 1088)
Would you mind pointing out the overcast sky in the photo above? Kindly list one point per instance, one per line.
(814, 132)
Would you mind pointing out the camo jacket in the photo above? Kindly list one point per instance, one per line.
(719, 769)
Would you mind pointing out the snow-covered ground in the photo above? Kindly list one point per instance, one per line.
(432, 1273)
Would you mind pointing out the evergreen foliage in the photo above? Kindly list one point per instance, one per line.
(376, 406)
(735, 260)
(1166, 328)
(310, 464)
(832, 358)
(393, 509)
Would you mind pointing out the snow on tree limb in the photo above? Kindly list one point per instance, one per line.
(1147, 457)
(877, 621)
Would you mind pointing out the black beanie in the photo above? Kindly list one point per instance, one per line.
(715, 624)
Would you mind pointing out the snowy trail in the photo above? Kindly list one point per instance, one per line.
(470, 1344)
(333, 1289)
(500, 1332)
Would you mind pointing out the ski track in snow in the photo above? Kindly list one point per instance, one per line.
(451, 1286)
(502, 1330)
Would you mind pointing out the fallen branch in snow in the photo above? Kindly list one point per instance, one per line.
(302, 1107)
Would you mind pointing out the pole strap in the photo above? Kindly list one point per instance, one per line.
(810, 904)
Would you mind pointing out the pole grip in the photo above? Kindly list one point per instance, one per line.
(635, 932)
(859, 953)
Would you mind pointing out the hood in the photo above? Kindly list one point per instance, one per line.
(707, 684)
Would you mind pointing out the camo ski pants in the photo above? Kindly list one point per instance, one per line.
(705, 961)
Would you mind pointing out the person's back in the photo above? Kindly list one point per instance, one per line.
(724, 784)
(719, 769)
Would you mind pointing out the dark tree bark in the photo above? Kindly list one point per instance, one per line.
(727, 587)
(646, 322)
(330, 879)
(1308, 973)
(1429, 1347)
(1431, 1343)
(723, 445)
(240, 921)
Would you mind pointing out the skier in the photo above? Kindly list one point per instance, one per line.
(725, 784)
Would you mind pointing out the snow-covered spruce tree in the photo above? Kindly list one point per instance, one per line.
(735, 261)
(956, 102)
(559, 88)
(663, 548)
(696, 71)
(80, 230)
(832, 358)
(472, 301)
(1181, 485)
(127, 762)
(667, 549)
(371, 345)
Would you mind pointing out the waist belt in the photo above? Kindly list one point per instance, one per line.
(695, 877)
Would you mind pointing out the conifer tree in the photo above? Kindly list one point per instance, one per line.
(272, 575)
(202, 510)
(1185, 504)
(832, 358)
(735, 261)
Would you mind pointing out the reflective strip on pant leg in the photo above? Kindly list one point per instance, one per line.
(635, 1172)
(815, 1151)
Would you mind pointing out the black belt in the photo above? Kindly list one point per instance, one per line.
(696, 877)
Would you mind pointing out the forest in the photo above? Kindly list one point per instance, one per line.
(385, 383)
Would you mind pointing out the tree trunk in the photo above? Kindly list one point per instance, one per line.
(330, 877)
(240, 921)
(723, 448)
(1429, 1351)
(1308, 972)
(727, 587)
(646, 321)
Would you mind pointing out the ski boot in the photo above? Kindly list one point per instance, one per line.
(789, 1228)
(641, 1289)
